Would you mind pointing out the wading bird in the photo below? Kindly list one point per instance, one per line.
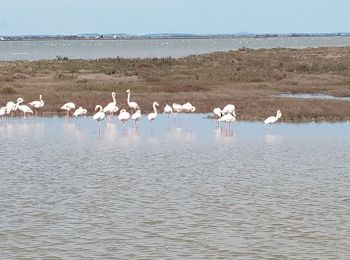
(152, 116)
(80, 112)
(23, 108)
(168, 110)
(132, 105)
(136, 116)
(111, 107)
(228, 118)
(68, 107)
(37, 104)
(123, 116)
(10, 107)
(99, 116)
(229, 109)
(273, 119)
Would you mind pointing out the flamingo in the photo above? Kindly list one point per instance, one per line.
(229, 109)
(68, 107)
(188, 107)
(80, 112)
(153, 116)
(99, 116)
(168, 110)
(23, 108)
(10, 107)
(136, 116)
(2, 112)
(273, 119)
(37, 104)
(132, 105)
(218, 113)
(123, 116)
(228, 118)
(111, 107)
(178, 109)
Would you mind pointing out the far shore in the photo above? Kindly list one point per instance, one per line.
(249, 79)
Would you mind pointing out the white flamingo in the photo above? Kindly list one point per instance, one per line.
(229, 109)
(218, 113)
(123, 116)
(136, 116)
(99, 116)
(80, 111)
(168, 110)
(2, 112)
(68, 107)
(153, 116)
(188, 107)
(10, 107)
(228, 118)
(37, 104)
(23, 108)
(132, 105)
(273, 119)
(111, 107)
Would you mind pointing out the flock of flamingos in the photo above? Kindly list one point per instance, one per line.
(226, 115)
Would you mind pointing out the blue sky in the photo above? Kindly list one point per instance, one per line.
(175, 16)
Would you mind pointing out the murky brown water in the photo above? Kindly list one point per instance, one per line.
(279, 192)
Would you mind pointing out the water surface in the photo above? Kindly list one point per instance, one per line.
(312, 96)
(253, 193)
(92, 49)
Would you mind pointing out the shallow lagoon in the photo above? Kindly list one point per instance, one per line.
(257, 192)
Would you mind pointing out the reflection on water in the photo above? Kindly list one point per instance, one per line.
(67, 192)
(272, 139)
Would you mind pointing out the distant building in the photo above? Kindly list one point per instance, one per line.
(2, 39)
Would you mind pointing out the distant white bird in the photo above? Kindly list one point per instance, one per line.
(136, 116)
(10, 107)
(153, 116)
(99, 116)
(188, 107)
(79, 112)
(177, 107)
(111, 107)
(217, 112)
(168, 110)
(37, 104)
(23, 108)
(273, 119)
(68, 107)
(228, 118)
(132, 105)
(123, 116)
(2, 112)
(229, 109)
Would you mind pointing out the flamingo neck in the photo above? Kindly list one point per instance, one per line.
(128, 97)
(155, 109)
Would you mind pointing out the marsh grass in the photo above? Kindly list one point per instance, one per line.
(250, 79)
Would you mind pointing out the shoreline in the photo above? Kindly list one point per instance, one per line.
(250, 79)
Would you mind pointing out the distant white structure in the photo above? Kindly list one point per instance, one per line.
(2, 39)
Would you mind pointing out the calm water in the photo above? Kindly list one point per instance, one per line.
(279, 192)
(91, 49)
(312, 96)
